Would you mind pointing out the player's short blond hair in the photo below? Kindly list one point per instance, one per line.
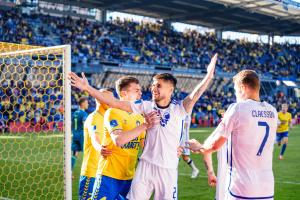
(124, 82)
(247, 77)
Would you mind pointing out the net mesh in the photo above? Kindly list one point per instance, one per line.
(31, 122)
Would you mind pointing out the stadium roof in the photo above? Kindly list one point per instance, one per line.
(252, 16)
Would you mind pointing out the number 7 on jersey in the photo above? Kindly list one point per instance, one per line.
(265, 124)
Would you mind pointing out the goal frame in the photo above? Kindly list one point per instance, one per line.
(66, 49)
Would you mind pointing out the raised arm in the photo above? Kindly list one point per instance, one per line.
(83, 84)
(193, 97)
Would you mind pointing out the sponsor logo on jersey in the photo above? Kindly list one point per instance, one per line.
(133, 144)
(165, 119)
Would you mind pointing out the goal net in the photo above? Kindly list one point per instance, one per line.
(35, 126)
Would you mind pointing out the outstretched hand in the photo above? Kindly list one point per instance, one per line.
(194, 146)
(212, 65)
(76, 81)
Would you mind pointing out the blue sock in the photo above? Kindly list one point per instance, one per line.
(73, 161)
(283, 149)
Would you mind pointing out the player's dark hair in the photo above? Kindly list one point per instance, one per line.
(82, 100)
(166, 77)
(124, 82)
(249, 78)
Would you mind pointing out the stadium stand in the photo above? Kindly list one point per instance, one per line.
(149, 45)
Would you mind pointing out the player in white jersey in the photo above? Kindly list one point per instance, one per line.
(248, 131)
(157, 169)
(186, 152)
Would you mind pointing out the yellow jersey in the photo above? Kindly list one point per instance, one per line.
(90, 155)
(121, 163)
(285, 119)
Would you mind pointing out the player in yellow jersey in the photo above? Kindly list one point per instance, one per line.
(93, 132)
(284, 123)
(124, 134)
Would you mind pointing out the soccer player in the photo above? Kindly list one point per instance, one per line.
(186, 152)
(285, 122)
(93, 134)
(124, 134)
(78, 118)
(157, 168)
(247, 133)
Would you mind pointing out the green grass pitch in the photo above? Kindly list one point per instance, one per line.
(31, 168)
(286, 172)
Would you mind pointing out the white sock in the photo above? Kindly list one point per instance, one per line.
(191, 164)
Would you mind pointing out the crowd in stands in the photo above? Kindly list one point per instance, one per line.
(133, 43)
(209, 109)
(147, 43)
(30, 106)
(40, 105)
(24, 105)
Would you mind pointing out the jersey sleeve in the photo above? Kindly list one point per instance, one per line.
(87, 126)
(91, 128)
(143, 135)
(228, 123)
(138, 106)
(112, 121)
(97, 123)
(182, 110)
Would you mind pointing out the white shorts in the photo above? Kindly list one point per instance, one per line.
(151, 178)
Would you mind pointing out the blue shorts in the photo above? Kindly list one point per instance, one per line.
(280, 136)
(86, 185)
(77, 142)
(110, 189)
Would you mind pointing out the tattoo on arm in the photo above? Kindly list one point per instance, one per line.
(206, 165)
(193, 97)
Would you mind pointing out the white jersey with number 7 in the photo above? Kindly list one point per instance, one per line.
(250, 127)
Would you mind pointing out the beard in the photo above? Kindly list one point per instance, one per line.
(157, 98)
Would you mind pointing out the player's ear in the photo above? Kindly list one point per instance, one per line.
(242, 87)
(122, 93)
(172, 89)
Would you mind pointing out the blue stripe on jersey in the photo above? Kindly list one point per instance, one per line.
(231, 193)
(227, 152)
(182, 125)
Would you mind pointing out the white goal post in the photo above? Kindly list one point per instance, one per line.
(35, 122)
